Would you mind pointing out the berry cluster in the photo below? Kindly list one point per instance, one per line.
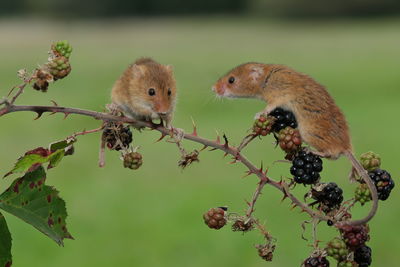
(133, 160)
(354, 236)
(263, 125)
(62, 48)
(337, 249)
(215, 218)
(56, 68)
(362, 194)
(243, 225)
(370, 161)
(316, 262)
(330, 195)
(289, 139)
(306, 167)
(117, 136)
(283, 118)
(362, 256)
(383, 182)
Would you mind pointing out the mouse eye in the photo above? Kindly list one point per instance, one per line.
(152, 91)
(169, 91)
(231, 79)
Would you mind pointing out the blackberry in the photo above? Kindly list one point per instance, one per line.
(370, 161)
(215, 218)
(117, 137)
(362, 194)
(266, 251)
(42, 79)
(316, 262)
(62, 48)
(306, 168)
(347, 263)
(133, 160)
(289, 139)
(362, 256)
(383, 182)
(336, 248)
(59, 67)
(328, 195)
(284, 119)
(354, 236)
(263, 125)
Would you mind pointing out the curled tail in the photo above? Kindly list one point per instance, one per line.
(364, 175)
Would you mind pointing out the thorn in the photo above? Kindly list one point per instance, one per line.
(54, 103)
(293, 206)
(66, 114)
(285, 196)
(204, 147)
(226, 153)
(218, 138)
(213, 149)
(194, 127)
(12, 89)
(161, 138)
(261, 169)
(39, 114)
(226, 141)
(247, 174)
(248, 203)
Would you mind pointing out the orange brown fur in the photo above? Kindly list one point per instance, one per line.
(131, 91)
(321, 123)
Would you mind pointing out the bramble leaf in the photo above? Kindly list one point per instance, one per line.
(5, 243)
(62, 144)
(38, 204)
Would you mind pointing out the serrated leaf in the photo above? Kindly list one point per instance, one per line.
(26, 162)
(5, 243)
(38, 204)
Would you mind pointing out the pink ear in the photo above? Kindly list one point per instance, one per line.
(256, 72)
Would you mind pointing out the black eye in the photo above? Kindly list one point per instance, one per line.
(169, 91)
(152, 91)
(231, 79)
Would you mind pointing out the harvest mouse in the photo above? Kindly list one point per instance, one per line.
(321, 123)
(146, 91)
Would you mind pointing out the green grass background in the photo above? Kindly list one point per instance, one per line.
(152, 217)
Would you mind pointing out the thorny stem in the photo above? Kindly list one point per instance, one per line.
(233, 151)
(256, 194)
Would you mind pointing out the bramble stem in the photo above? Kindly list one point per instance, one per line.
(233, 151)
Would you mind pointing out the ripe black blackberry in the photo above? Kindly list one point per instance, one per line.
(355, 236)
(117, 137)
(284, 119)
(306, 167)
(383, 182)
(215, 218)
(362, 256)
(316, 262)
(329, 195)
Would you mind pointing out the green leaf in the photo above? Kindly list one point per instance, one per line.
(38, 204)
(62, 144)
(5, 243)
(26, 162)
(55, 158)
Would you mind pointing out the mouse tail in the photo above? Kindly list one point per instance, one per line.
(364, 175)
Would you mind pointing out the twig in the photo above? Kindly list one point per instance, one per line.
(256, 194)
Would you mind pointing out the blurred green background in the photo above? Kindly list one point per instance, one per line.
(153, 216)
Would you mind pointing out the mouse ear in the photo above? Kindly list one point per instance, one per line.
(256, 72)
(169, 68)
(138, 70)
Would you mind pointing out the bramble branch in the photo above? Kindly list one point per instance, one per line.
(233, 151)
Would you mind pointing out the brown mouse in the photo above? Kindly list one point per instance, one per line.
(146, 91)
(321, 123)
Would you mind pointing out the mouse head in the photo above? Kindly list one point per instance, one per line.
(154, 88)
(242, 81)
